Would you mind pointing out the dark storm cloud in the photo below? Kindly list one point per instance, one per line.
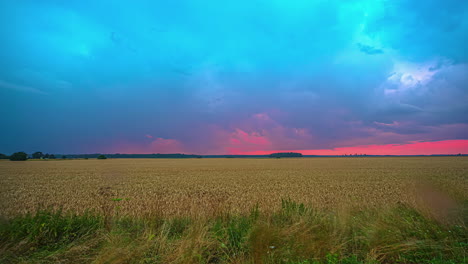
(369, 49)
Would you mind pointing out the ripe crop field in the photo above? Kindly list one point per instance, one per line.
(298, 210)
(204, 186)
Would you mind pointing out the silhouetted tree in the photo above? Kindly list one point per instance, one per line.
(64, 157)
(19, 156)
(3, 156)
(52, 156)
(285, 155)
(101, 157)
(37, 155)
(46, 156)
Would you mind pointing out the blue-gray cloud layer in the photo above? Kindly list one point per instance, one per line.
(193, 76)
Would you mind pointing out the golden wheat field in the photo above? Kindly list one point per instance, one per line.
(141, 187)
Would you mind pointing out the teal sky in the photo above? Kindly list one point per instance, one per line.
(217, 77)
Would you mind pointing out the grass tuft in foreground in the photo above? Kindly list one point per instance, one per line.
(294, 234)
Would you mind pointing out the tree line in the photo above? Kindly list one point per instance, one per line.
(286, 155)
(21, 156)
(18, 156)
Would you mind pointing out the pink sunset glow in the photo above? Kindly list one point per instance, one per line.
(414, 148)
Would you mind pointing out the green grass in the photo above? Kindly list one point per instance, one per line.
(294, 234)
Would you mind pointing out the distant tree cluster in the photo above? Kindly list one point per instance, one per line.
(40, 155)
(355, 155)
(133, 156)
(101, 157)
(286, 155)
(19, 156)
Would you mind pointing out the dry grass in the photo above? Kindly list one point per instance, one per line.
(206, 187)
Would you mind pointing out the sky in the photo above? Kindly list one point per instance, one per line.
(234, 76)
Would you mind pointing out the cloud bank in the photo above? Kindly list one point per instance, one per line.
(213, 77)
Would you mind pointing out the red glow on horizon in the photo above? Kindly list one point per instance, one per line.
(413, 148)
